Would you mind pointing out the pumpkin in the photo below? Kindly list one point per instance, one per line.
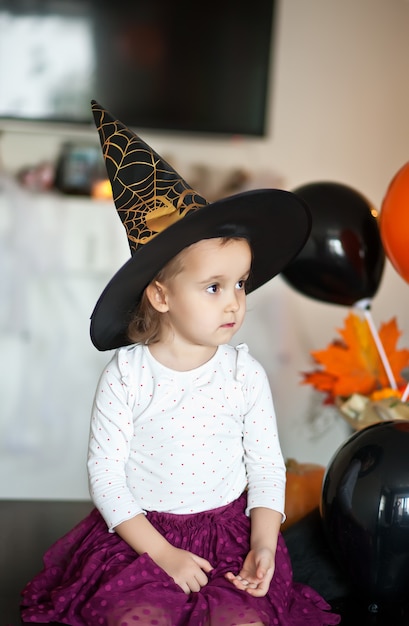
(302, 491)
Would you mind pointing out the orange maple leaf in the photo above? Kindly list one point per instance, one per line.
(353, 364)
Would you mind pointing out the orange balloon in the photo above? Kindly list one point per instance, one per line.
(394, 222)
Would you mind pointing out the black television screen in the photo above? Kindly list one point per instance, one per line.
(155, 64)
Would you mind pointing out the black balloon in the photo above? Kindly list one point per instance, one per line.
(365, 512)
(343, 259)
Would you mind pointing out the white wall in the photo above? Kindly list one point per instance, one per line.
(339, 103)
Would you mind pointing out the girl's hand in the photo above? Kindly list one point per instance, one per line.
(187, 569)
(256, 573)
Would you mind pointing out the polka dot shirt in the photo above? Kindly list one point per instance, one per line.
(183, 442)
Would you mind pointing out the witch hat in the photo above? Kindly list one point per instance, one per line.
(162, 215)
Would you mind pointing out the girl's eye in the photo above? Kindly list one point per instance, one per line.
(241, 284)
(213, 288)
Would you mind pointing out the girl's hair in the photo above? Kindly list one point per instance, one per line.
(145, 323)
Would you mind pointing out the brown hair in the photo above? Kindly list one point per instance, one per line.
(145, 323)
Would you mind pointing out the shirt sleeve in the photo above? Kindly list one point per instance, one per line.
(109, 443)
(265, 466)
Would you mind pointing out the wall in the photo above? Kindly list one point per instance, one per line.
(339, 106)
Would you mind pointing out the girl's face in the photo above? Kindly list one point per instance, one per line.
(205, 303)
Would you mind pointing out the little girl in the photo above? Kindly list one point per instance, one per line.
(185, 466)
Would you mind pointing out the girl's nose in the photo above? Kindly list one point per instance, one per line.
(233, 303)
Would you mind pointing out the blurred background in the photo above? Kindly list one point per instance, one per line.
(275, 94)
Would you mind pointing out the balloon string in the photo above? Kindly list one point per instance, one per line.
(365, 306)
(405, 394)
(381, 350)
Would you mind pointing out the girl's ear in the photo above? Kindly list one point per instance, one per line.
(156, 294)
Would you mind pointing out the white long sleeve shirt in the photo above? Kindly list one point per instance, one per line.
(183, 442)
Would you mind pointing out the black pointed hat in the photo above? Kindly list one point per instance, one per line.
(162, 215)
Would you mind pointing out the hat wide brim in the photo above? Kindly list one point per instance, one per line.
(277, 224)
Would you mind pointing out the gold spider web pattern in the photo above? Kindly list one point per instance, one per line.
(149, 194)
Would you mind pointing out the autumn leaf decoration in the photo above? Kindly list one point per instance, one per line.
(352, 365)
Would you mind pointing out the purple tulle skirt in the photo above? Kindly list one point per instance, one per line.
(93, 578)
